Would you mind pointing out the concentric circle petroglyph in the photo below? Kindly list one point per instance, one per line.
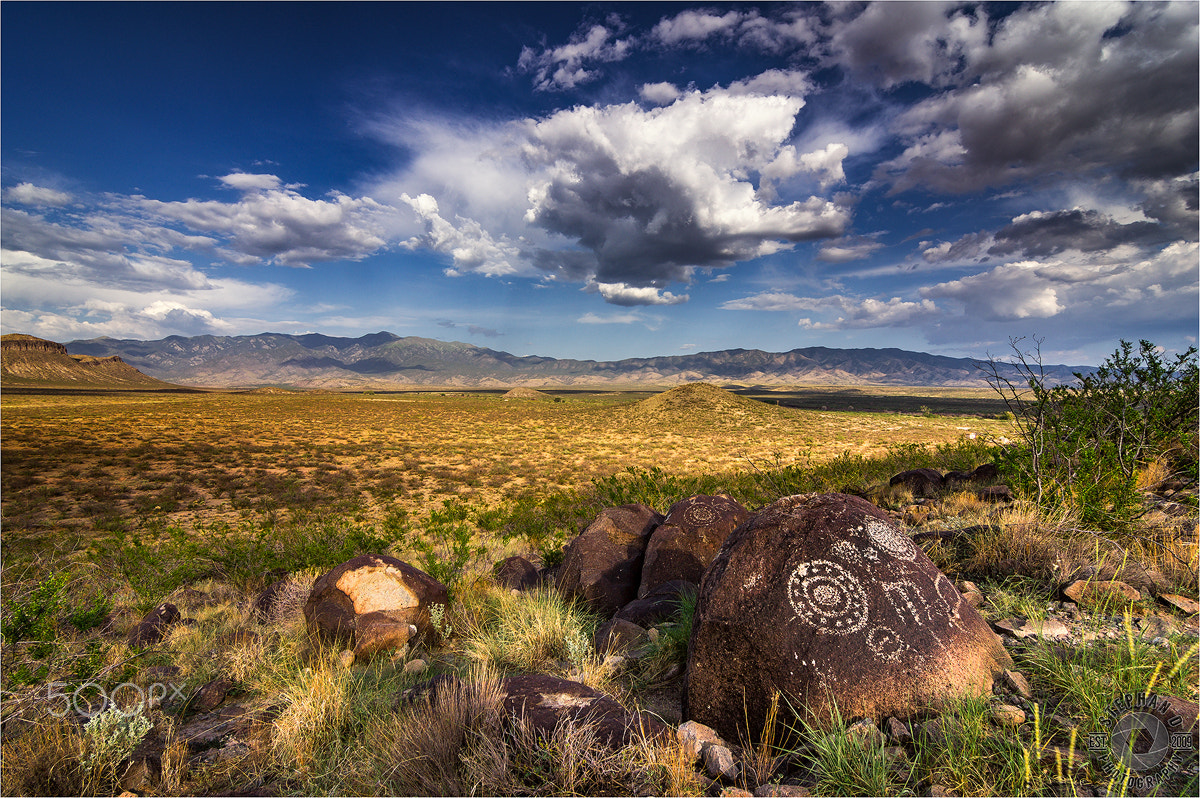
(890, 540)
(700, 515)
(828, 596)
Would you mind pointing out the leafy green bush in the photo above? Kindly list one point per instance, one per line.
(33, 617)
(1081, 446)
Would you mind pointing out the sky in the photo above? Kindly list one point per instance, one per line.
(602, 181)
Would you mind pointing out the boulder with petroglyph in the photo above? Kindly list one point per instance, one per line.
(822, 598)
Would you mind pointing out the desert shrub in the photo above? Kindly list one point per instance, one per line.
(1081, 446)
(33, 617)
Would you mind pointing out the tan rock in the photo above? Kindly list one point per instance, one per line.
(1091, 593)
(1182, 603)
(1007, 715)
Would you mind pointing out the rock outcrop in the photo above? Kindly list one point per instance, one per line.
(821, 598)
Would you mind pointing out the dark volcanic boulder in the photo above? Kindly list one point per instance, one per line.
(516, 573)
(923, 482)
(688, 539)
(546, 701)
(154, 625)
(374, 594)
(821, 598)
(660, 604)
(603, 565)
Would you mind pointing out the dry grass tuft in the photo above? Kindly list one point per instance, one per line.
(529, 631)
(451, 744)
(44, 760)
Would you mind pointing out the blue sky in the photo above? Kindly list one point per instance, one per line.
(605, 180)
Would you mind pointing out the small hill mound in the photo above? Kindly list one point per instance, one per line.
(30, 362)
(698, 399)
(528, 393)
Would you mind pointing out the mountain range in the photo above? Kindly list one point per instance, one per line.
(383, 360)
(29, 362)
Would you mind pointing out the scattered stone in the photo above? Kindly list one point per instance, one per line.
(210, 695)
(154, 625)
(1007, 715)
(1023, 629)
(995, 494)
(619, 636)
(516, 573)
(346, 658)
(921, 482)
(695, 737)
(546, 701)
(416, 666)
(897, 731)
(869, 622)
(736, 792)
(382, 594)
(264, 604)
(867, 731)
(985, 473)
(1017, 683)
(1182, 603)
(1142, 578)
(1090, 594)
(781, 791)
(687, 540)
(941, 791)
(719, 763)
(660, 604)
(1071, 759)
(603, 565)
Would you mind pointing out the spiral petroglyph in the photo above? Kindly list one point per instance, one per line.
(826, 595)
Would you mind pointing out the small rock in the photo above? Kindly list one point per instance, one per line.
(347, 658)
(1089, 593)
(695, 737)
(1007, 715)
(154, 625)
(866, 730)
(996, 494)
(898, 731)
(516, 573)
(210, 695)
(1181, 603)
(719, 763)
(619, 636)
(781, 791)
(416, 666)
(1017, 683)
(736, 792)
(1024, 629)
(940, 791)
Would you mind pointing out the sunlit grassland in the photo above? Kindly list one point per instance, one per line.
(82, 462)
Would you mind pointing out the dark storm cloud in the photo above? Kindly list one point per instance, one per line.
(1038, 235)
